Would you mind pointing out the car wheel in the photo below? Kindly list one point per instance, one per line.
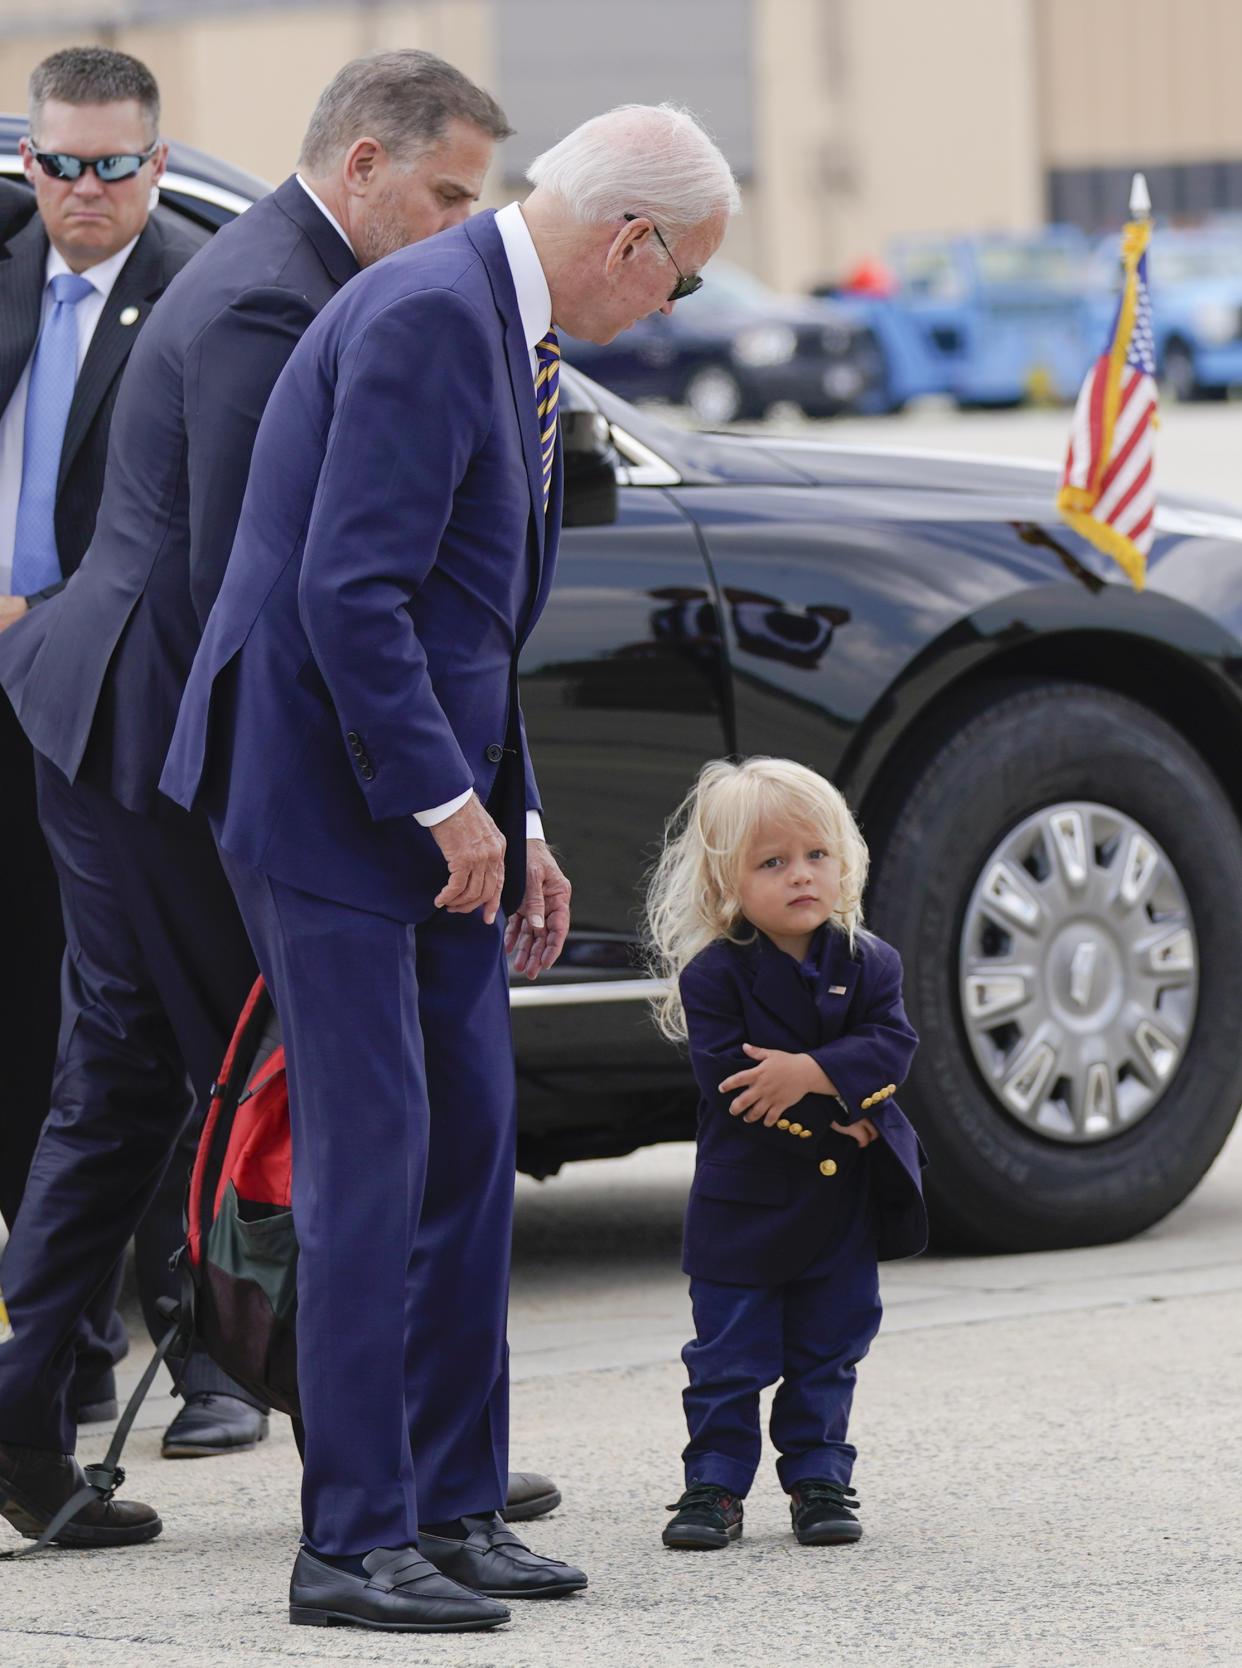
(714, 395)
(1064, 882)
(1178, 371)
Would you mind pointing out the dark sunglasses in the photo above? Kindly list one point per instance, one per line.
(685, 285)
(108, 169)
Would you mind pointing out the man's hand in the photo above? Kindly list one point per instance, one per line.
(864, 1131)
(778, 1082)
(474, 849)
(535, 932)
(11, 608)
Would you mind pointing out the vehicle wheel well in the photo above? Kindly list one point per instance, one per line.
(1171, 684)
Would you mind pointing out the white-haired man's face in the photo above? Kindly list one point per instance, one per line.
(625, 275)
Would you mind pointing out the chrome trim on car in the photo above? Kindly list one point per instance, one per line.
(216, 194)
(642, 467)
(569, 996)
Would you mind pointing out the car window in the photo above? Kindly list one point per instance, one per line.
(1049, 266)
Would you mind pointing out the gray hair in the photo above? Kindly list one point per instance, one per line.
(653, 159)
(403, 99)
(94, 75)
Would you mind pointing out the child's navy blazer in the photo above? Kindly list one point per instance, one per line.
(766, 1202)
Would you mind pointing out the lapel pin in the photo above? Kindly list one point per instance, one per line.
(129, 315)
(836, 990)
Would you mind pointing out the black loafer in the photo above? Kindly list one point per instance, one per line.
(708, 1517)
(35, 1484)
(401, 1593)
(821, 1513)
(211, 1423)
(492, 1560)
(529, 1495)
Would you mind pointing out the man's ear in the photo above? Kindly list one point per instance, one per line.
(628, 241)
(361, 164)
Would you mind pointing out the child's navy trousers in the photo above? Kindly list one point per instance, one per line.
(809, 1334)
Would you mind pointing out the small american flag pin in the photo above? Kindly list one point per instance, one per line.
(836, 990)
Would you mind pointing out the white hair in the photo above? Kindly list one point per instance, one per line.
(651, 159)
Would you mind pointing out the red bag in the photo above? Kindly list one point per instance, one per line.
(241, 1249)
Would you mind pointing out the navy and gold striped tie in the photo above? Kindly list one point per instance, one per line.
(547, 388)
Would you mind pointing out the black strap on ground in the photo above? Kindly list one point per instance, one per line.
(103, 1480)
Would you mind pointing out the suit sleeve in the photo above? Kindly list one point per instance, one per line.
(230, 370)
(716, 1026)
(413, 405)
(869, 1061)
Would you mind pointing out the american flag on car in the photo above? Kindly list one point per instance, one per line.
(1108, 491)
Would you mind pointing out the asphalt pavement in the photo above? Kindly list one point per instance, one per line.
(1050, 1467)
(1050, 1445)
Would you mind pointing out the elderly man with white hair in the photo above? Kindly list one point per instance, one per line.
(351, 726)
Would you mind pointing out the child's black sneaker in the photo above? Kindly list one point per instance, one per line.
(708, 1516)
(822, 1514)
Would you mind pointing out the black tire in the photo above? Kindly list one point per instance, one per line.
(1177, 373)
(994, 1183)
(715, 395)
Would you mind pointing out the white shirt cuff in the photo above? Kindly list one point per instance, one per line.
(534, 826)
(438, 813)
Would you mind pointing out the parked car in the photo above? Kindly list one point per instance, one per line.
(736, 348)
(989, 320)
(1044, 763)
(1195, 280)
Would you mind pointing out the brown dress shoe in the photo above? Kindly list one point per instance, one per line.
(35, 1484)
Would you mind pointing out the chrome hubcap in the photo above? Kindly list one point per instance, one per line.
(1078, 972)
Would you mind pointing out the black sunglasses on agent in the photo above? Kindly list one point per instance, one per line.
(685, 285)
(109, 170)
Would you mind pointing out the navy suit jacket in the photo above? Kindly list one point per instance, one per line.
(96, 672)
(164, 246)
(392, 555)
(761, 1209)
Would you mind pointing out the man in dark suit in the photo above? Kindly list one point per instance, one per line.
(352, 726)
(96, 234)
(397, 149)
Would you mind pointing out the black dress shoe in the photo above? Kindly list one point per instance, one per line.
(211, 1423)
(820, 1509)
(400, 1593)
(708, 1517)
(492, 1560)
(529, 1495)
(35, 1484)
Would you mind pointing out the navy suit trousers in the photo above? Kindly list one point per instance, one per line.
(809, 1334)
(403, 1118)
(156, 971)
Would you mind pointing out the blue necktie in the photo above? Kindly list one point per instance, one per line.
(547, 387)
(52, 377)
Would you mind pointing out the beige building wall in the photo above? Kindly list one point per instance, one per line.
(1120, 81)
(879, 117)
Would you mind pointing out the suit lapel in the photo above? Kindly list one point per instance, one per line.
(338, 258)
(139, 284)
(487, 240)
(22, 267)
(838, 977)
(782, 990)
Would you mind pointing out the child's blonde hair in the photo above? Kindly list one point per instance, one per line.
(692, 898)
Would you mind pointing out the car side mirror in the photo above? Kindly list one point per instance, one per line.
(590, 470)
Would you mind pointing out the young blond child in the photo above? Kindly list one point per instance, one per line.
(807, 1173)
